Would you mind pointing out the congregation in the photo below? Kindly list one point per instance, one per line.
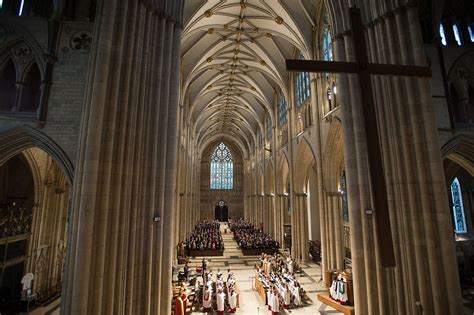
(248, 237)
(205, 236)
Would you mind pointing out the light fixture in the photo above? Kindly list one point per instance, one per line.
(334, 89)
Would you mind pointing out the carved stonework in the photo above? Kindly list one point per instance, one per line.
(81, 41)
(14, 220)
(22, 54)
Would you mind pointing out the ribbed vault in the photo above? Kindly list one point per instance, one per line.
(233, 58)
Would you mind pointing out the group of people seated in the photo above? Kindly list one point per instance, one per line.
(224, 293)
(206, 235)
(240, 224)
(277, 277)
(247, 237)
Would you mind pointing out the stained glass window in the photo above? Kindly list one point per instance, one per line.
(222, 168)
(259, 137)
(442, 34)
(345, 205)
(282, 109)
(470, 28)
(457, 34)
(302, 83)
(458, 208)
(269, 128)
(326, 44)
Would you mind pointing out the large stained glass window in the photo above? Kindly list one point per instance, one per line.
(458, 208)
(345, 206)
(222, 168)
(302, 86)
(282, 110)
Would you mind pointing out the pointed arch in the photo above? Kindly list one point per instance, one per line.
(8, 77)
(14, 141)
(31, 92)
(304, 160)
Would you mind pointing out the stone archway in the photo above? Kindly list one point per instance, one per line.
(37, 221)
(304, 162)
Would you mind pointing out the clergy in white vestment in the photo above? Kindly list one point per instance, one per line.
(296, 292)
(275, 303)
(286, 297)
(232, 300)
(269, 298)
(220, 299)
(207, 299)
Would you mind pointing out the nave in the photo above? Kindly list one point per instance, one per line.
(243, 267)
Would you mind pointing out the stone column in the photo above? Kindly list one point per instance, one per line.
(119, 258)
(425, 278)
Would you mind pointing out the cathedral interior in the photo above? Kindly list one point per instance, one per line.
(140, 138)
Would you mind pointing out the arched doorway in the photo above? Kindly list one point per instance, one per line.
(34, 201)
(221, 211)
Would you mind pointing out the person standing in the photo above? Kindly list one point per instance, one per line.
(207, 299)
(232, 300)
(220, 299)
(275, 302)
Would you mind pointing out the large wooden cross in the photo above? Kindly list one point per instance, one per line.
(364, 69)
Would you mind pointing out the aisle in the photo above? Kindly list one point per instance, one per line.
(244, 271)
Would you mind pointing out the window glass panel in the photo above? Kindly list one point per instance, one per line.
(222, 168)
(457, 34)
(282, 109)
(458, 208)
(302, 90)
(442, 33)
(269, 128)
(345, 205)
(470, 28)
(326, 41)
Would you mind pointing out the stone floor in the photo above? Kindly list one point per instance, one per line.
(244, 270)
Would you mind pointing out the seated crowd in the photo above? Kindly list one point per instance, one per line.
(206, 235)
(240, 224)
(277, 277)
(247, 237)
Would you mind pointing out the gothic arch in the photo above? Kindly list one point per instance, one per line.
(14, 141)
(304, 160)
(460, 150)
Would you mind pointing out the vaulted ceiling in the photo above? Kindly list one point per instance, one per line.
(233, 58)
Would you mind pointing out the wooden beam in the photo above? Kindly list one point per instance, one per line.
(356, 67)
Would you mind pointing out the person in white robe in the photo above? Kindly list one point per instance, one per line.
(286, 297)
(269, 298)
(297, 294)
(275, 303)
(232, 300)
(220, 299)
(207, 299)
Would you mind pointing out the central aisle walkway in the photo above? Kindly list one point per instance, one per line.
(244, 270)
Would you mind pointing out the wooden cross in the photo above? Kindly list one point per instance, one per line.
(364, 69)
